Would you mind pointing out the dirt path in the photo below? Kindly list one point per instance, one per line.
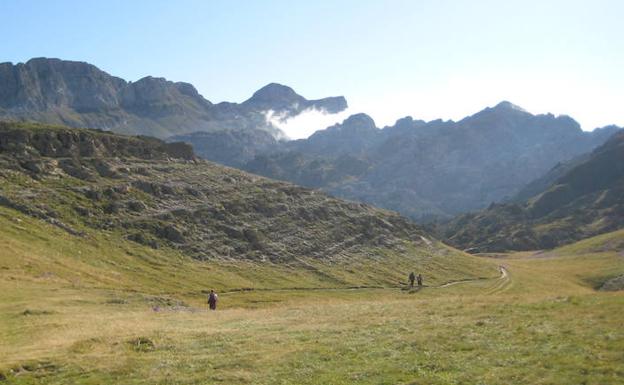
(501, 282)
(503, 277)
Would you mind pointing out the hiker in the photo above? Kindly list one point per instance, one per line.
(419, 279)
(212, 300)
(412, 277)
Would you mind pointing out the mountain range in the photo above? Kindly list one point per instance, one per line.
(431, 170)
(428, 171)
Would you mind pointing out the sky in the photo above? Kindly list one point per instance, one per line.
(425, 58)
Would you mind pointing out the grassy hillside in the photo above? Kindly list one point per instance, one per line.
(104, 274)
(135, 203)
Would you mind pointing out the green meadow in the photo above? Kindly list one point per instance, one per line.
(105, 311)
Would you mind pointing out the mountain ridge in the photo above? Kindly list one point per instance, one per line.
(434, 169)
(79, 94)
(581, 198)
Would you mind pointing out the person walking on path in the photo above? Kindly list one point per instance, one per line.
(412, 277)
(212, 300)
(419, 280)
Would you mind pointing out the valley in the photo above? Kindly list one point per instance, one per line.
(544, 323)
(576, 200)
(311, 193)
(104, 280)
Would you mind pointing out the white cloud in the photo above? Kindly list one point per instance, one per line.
(306, 123)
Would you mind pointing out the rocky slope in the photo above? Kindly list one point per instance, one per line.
(158, 195)
(585, 199)
(79, 94)
(431, 169)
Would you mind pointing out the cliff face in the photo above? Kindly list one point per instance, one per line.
(29, 139)
(42, 84)
(79, 94)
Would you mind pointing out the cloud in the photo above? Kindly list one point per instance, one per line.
(306, 123)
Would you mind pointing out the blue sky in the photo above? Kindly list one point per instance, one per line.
(390, 59)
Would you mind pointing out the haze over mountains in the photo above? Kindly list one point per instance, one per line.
(424, 170)
(432, 169)
(581, 198)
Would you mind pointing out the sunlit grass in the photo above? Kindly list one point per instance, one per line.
(66, 317)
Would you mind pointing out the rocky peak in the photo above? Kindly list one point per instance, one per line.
(275, 97)
(274, 92)
(404, 126)
(155, 92)
(357, 124)
(352, 136)
(43, 83)
(508, 106)
(283, 99)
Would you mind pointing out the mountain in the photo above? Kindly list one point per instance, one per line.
(561, 168)
(139, 191)
(285, 101)
(79, 94)
(585, 198)
(424, 170)
(230, 147)
(435, 169)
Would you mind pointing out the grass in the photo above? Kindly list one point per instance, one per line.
(68, 317)
(35, 252)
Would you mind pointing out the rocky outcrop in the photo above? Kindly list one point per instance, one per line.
(614, 284)
(30, 139)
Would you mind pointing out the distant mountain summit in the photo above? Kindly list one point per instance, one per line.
(283, 99)
(79, 94)
(508, 106)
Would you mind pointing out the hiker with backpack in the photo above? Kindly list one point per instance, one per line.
(213, 298)
(412, 277)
